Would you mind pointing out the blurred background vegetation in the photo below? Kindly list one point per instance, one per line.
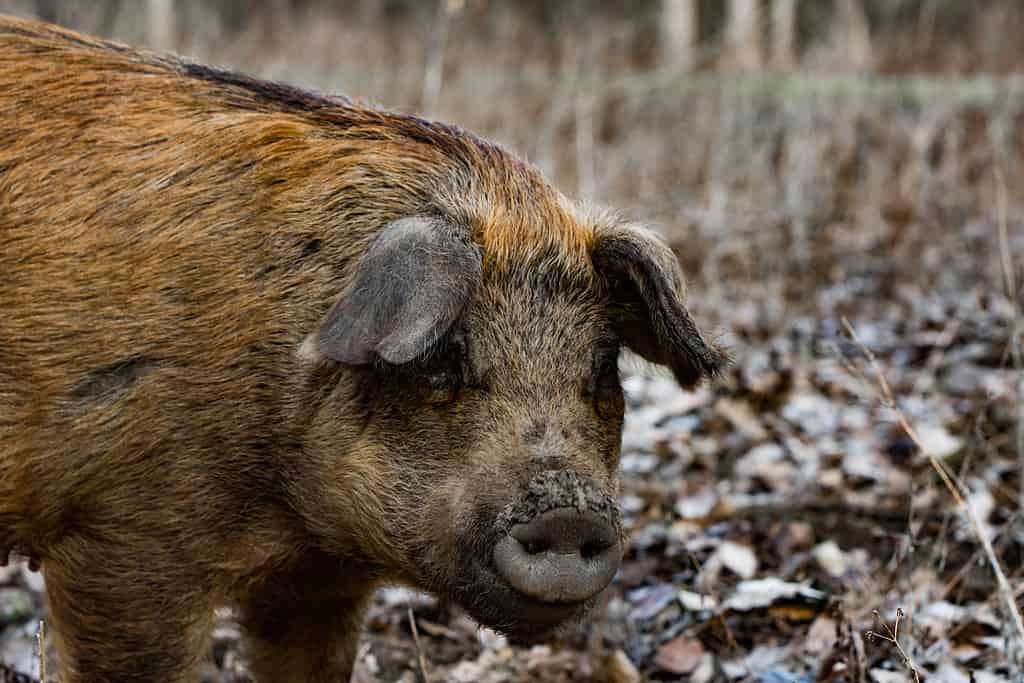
(780, 144)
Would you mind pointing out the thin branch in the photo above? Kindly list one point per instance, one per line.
(433, 76)
(419, 648)
(1010, 282)
(41, 643)
(1006, 593)
(585, 183)
(892, 635)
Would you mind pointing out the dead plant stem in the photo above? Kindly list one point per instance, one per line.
(1010, 282)
(1006, 593)
(41, 643)
(892, 635)
(419, 647)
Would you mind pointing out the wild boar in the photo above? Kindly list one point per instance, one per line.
(271, 349)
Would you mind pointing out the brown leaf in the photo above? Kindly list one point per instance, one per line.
(680, 655)
(741, 416)
(618, 669)
(793, 613)
(822, 635)
(363, 675)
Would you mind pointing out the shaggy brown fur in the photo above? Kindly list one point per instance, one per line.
(201, 405)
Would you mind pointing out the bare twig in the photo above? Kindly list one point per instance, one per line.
(936, 358)
(966, 567)
(955, 489)
(419, 648)
(41, 642)
(892, 635)
(680, 81)
(584, 114)
(700, 581)
(1009, 277)
(1010, 282)
(160, 24)
(433, 75)
(850, 650)
(860, 655)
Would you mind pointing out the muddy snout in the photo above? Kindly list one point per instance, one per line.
(560, 540)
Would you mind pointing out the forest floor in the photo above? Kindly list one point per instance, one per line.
(783, 525)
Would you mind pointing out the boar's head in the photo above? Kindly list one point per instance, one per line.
(470, 444)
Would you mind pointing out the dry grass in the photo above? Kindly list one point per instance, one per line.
(957, 492)
(41, 645)
(892, 635)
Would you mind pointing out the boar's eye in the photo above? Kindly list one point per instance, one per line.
(606, 388)
(442, 387)
(445, 373)
(607, 377)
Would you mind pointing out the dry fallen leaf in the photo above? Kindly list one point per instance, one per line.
(697, 505)
(831, 558)
(761, 593)
(821, 636)
(739, 559)
(680, 655)
(362, 675)
(705, 671)
(695, 602)
(937, 441)
(741, 416)
(618, 668)
(794, 613)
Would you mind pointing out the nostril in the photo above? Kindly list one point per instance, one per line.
(592, 549)
(565, 531)
(535, 547)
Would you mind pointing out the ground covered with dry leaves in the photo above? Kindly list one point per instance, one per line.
(837, 229)
(784, 528)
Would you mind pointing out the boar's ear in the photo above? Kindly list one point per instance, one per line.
(409, 288)
(646, 287)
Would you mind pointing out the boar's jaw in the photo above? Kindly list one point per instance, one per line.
(493, 602)
(545, 509)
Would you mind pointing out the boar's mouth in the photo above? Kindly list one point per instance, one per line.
(491, 600)
(505, 584)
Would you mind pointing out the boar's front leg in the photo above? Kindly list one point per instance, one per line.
(119, 616)
(302, 626)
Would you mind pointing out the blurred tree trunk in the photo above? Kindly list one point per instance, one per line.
(744, 32)
(784, 33)
(47, 10)
(433, 71)
(855, 33)
(160, 32)
(680, 26)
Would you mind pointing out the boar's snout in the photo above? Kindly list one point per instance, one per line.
(560, 556)
(561, 539)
